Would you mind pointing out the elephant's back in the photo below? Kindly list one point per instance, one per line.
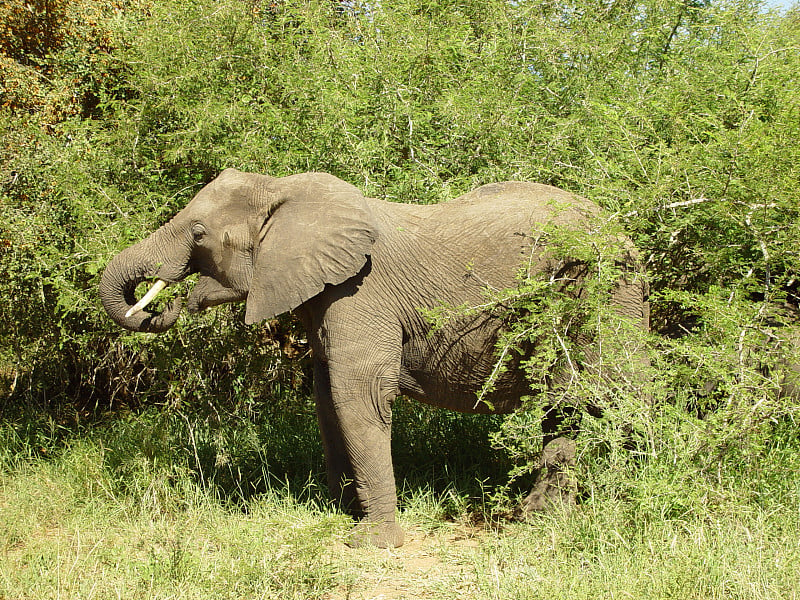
(495, 227)
(518, 202)
(481, 238)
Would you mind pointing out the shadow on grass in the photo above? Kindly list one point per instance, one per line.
(447, 454)
(272, 446)
(435, 451)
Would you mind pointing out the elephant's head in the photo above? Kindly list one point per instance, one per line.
(272, 242)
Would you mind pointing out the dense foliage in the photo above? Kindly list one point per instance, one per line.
(681, 117)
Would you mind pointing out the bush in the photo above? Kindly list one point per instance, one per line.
(678, 117)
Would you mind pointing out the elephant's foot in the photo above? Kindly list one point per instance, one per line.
(381, 535)
(555, 486)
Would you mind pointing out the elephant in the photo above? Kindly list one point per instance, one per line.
(359, 273)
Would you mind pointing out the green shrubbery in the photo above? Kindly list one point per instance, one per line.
(680, 117)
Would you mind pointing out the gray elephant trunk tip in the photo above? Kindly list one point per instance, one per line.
(118, 295)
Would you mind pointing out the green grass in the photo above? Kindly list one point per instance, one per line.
(71, 529)
(116, 513)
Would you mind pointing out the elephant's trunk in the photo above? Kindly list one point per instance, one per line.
(134, 265)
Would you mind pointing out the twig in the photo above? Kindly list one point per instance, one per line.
(498, 365)
(701, 200)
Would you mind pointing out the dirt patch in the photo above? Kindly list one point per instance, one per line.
(437, 565)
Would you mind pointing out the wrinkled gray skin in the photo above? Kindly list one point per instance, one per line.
(788, 340)
(356, 271)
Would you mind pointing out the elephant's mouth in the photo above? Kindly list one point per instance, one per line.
(206, 293)
(151, 294)
(118, 294)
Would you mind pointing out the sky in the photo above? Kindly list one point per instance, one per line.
(782, 4)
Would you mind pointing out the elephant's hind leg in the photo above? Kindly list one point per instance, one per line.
(556, 486)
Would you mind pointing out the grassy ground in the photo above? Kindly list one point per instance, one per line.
(103, 515)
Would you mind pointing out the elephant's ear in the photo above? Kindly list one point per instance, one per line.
(314, 230)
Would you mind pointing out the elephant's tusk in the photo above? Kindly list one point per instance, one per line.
(159, 285)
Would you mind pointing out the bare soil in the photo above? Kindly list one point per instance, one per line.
(428, 565)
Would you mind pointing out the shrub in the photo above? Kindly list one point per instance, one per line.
(678, 117)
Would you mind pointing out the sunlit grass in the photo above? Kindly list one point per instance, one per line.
(85, 522)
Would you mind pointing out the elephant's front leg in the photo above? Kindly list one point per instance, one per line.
(340, 472)
(355, 419)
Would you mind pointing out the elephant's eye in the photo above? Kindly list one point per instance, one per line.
(198, 232)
